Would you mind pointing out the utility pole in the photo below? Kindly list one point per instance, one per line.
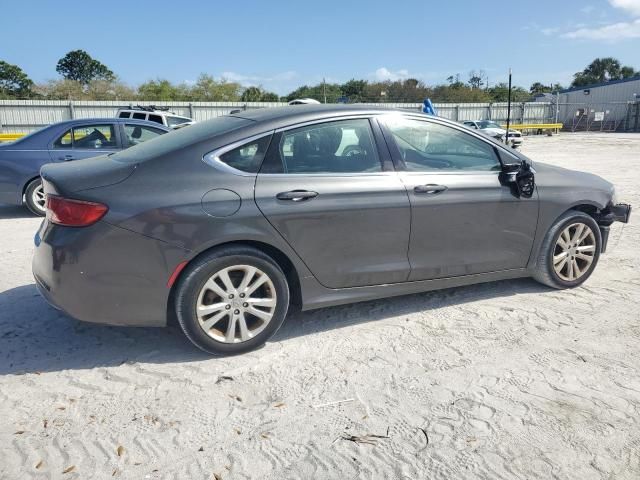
(557, 105)
(506, 136)
(324, 89)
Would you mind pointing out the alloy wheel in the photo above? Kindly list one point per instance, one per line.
(236, 304)
(574, 252)
(38, 197)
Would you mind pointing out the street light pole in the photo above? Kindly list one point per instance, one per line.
(506, 135)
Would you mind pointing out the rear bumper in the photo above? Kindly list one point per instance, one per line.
(104, 274)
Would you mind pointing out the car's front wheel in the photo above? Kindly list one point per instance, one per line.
(570, 251)
(35, 198)
(231, 300)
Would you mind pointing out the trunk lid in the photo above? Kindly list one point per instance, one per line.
(70, 177)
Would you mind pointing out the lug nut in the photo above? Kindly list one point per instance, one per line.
(228, 307)
(231, 296)
(245, 304)
(236, 312)
(242, 295)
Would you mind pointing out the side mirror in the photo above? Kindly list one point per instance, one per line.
(520, 177)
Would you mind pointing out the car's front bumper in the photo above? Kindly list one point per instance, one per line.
(104, 274)
(620, 212)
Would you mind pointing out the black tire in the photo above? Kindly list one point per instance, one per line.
(201, 270)
(544, 270)
(29, 197)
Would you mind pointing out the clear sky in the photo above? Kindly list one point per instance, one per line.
(283, 44)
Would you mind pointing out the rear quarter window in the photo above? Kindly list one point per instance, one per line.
(179, 139)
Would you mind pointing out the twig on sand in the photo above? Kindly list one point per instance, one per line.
(368, 439)
(222, 378)
(337, 402)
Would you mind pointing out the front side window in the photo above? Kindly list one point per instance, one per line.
(139, 133)
(248, 157)
(430, 146)
(140, 116)
(124, 115)
(156, 118)
(345, 146)
(94, 137)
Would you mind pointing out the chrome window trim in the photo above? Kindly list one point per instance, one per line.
(293, 126)
(213, 158)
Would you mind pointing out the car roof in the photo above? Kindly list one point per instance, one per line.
(282, 116)
(81, 121)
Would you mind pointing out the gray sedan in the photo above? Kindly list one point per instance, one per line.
(226, 223)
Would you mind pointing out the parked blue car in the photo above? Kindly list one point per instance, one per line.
(20, 161)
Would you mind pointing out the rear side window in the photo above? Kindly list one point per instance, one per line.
(173, 121)
(140, 116)
(64, 141)
(156, 118)
(140, 133)
(345, 146)
(248, 157)
(124, 115)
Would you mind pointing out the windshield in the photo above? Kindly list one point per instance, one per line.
(179, 139)
(488, 124)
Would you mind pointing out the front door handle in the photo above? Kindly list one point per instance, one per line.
(296, 195)
(66, 158)
(430, 188)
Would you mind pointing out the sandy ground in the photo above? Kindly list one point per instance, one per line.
(504, 380)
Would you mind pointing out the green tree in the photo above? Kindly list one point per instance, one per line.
(109, 90)
(538, 87)
(62, 90)
(500, 93)
(602, 70)
(208, 89)
(78, 65)
(269, 97)
(317, 92)
(354, 90)
(251, 94)
(476, 79)
(159, 89)
(14, 83)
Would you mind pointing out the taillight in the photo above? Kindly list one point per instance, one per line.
(73, 213)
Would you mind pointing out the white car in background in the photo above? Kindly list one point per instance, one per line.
(496, 131)
(304, 101)
(160, 115)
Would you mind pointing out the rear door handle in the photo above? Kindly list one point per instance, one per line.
(430, 188)
(296, 195)
(66, 158)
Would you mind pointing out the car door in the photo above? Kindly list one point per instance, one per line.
(464, 221)
(84, 141)
(332, 194)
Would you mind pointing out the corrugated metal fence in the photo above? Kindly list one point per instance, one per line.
(22, 116)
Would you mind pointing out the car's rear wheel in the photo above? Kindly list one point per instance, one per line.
(35, 198)
(570, 251)
(232, 300)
